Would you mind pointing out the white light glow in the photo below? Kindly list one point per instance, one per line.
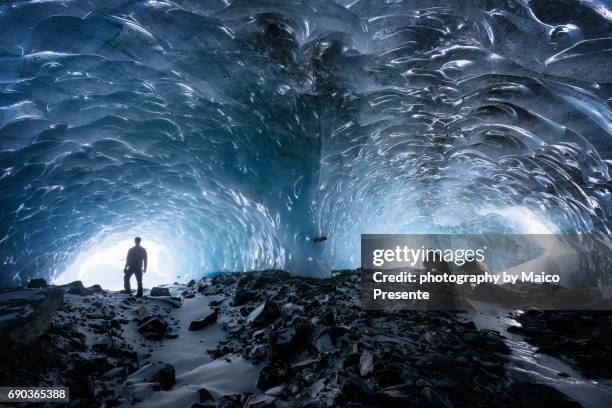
(104, 266)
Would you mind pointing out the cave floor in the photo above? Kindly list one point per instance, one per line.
(272, 339)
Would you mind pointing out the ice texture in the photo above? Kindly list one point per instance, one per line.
(237, 132)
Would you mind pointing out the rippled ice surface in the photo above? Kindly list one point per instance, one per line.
(237, 132)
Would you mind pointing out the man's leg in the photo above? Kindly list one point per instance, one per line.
(139, 280)
(126, 281)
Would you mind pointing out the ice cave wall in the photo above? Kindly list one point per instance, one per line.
(238, 132)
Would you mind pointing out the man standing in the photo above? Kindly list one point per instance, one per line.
(135, 263)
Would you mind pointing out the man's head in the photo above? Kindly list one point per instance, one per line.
(137, 241)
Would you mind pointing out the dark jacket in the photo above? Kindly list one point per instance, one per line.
(135, 258)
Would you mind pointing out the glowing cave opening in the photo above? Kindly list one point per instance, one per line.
(104, 265)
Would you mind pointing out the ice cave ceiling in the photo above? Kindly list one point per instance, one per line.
(237, 132)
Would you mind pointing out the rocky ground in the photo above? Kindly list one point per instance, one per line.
(582, 338)
(252, 340)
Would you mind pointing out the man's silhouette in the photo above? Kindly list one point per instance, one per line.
(134, 262)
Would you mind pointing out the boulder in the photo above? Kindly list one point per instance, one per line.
(243, 296)
(119, 373)
(153, 328)
(206, 398)
(37, 283)
(204, 322)
(159, 291)
(273, 374)
(174, 301)
(229, 401)
(260, 282)
(26, 314)
(283, 343)
(138, 392)
(264, 314)
(160, 373)
(76, 288)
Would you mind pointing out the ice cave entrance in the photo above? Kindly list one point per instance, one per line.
(104, 264)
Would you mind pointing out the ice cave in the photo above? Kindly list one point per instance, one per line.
(260, 148)
(235, 135)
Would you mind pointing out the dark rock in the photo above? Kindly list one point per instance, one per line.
(83, 386)
(153, 328)
(273, 374)
(112, 347)
(303, 289)
(84, 367)
(470, 337)
(264, 314)
(542, 395)
(160, 373)
(243, 282)
(76, 288)
(351, 360)
(366, 363)
(229, 401)
(582, 338)
(115, 373)
(159, 291)
(429, 398)
(355, 389)
(204, 322)
(205, 395)
(191, 283)
(113, 402)
(282, 344)
(26, 314)
(261, 400)
(37, 283)
(388, 376)
(277, 275)
(174, 301)
(395, 396)
(443, 364)
(165, 376)
(243, 296)
(328, 317)
(260, 282)
(335, 332)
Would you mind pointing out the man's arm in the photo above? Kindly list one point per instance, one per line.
(145, 260)
(126, 260)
